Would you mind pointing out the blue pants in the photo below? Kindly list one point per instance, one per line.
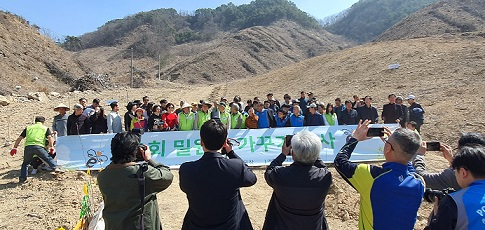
(29, 153)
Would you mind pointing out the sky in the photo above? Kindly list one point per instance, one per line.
(76, 17)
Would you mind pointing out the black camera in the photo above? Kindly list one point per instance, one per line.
(430, 194)
(139, 154)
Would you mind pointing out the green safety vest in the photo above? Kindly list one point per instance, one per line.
(186, 122)
(35, 135)
(235, 118)
(202, 118)
(225, 116)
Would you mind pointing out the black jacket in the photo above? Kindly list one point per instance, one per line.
(299, 191)
(77, 125)
(392, 112)
(99, 124)
(368, 113)
(212, 186)
(128, 116)
(348, 118)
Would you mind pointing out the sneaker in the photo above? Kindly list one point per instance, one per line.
(46, 168)
(58, 170)
(34, 171)
(22, 179)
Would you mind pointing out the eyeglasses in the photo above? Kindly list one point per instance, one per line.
(392, 148)
(171, 107)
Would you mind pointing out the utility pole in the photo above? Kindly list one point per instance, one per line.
(159, 67)
(132, 82)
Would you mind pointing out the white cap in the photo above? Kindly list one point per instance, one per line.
(410, 97)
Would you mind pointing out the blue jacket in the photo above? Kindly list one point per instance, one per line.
(314, 120)
(282, 123)
(297, 121)
(462, 210)
(390, 195)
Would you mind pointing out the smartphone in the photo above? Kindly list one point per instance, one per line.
(433, 146)
(288, 140)
(375, 132)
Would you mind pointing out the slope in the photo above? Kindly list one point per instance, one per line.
(446, 74)
(25, 55)
(367, 19)
(232, 55)
(445, 17)
(254, 51)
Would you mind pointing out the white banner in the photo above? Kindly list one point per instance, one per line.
(257, 147)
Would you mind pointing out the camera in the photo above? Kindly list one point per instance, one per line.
(432, 146)
(430, 194)
(139, 154)
(375, 132)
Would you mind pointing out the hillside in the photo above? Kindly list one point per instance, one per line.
(153, 32)
(254, 51)
(367, 19)
(445, 17)
(446, 75)
(207, 46)
(233, 55)
(25, 54)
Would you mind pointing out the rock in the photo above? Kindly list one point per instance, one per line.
(38, 96)
(54, 94)
(4, 101)
(21, 99)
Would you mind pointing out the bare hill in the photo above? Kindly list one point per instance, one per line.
(444, 17)
(367, 19)
(254, 51)
(446, 75)
(233, 55)
(25, 54)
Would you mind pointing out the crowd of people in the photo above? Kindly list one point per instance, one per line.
(390, 195)
(306, 110)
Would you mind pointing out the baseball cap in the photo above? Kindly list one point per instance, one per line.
(410, 97)
(78, 106)
(313, 105)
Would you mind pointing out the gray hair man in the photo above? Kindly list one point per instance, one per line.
(299, 190)
(390, 195)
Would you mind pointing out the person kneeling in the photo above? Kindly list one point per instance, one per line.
(299, 190)
(119, 184)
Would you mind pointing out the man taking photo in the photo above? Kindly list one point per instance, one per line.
(212, 183)
(390, 195)
(464, 209)
(120, 185)
(299, 190)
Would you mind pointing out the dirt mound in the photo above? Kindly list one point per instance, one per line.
(24, 53)
(445, 17)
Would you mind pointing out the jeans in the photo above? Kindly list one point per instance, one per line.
(29, 153)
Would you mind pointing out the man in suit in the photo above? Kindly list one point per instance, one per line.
(212, 183)
(299, 190)
(392, 112)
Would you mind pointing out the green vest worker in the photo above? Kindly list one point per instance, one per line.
(35, 136)
(225, 116)
(238, 120)
(186, 118)
(202, 115)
